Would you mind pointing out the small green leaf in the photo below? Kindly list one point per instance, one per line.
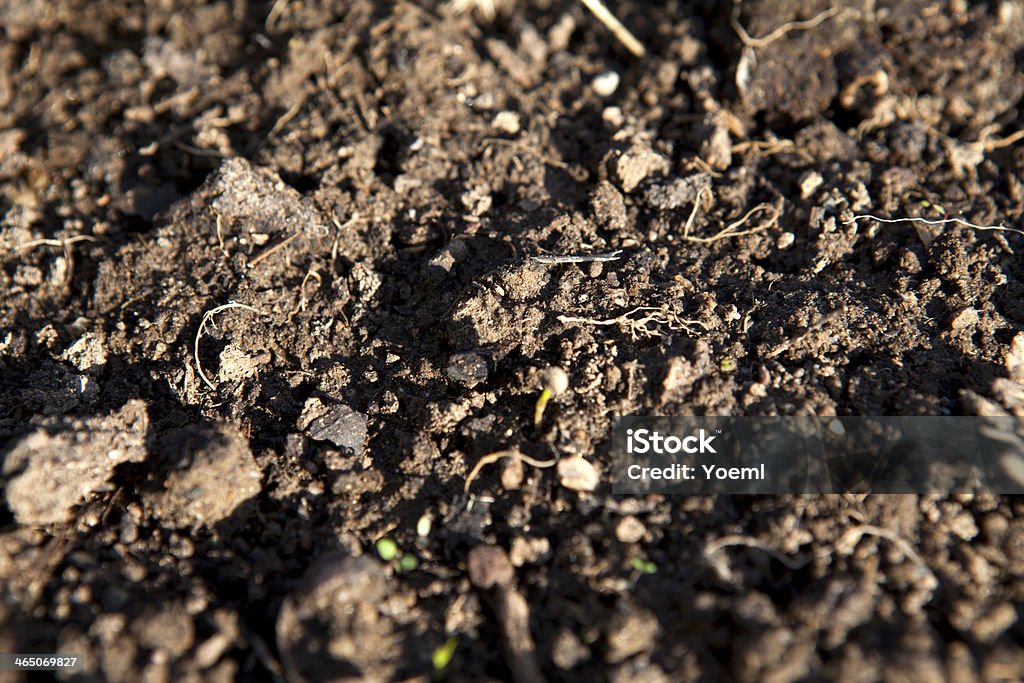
(642, 565)
(408, 563)
(387, 549)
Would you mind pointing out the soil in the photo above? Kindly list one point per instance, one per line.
(268, 295)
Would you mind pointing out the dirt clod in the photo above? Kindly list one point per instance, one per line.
(213, 473)
(59, 465)
(489, 567)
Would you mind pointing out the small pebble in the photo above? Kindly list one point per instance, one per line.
(785, 240)
(809, 183)
(577, 474)
(630, 530)
(507, 122)
(512, 474)
(613, 116)
(605, 84)
(968, 317)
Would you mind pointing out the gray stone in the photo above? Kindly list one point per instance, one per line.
(335, 423)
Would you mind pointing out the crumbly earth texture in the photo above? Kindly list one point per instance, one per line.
(267, 296)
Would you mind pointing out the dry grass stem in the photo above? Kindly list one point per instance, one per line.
(621, 33)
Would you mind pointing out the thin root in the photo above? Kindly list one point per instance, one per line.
(498, 455)
(65, 245)
(781, 31)
(733, 229)
(851, 537)
(638, 327)
(696, 207)
(750, 542)
(940, 221)
(207, 318)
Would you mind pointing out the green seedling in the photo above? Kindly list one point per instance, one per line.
(443, 655)
(642, 565)
(555, 381)
(727, 365)
(387, 549)
(925, 204)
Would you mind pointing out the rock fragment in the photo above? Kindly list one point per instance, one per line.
(335, 423)
(666, 195)
(630, 168)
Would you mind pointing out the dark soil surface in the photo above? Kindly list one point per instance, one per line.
(268, 294)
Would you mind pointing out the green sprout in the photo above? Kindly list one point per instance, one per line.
(727, 365)
(642, 565)
(387, 549)
(443, 655)
(925, 204)
(554, 381)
